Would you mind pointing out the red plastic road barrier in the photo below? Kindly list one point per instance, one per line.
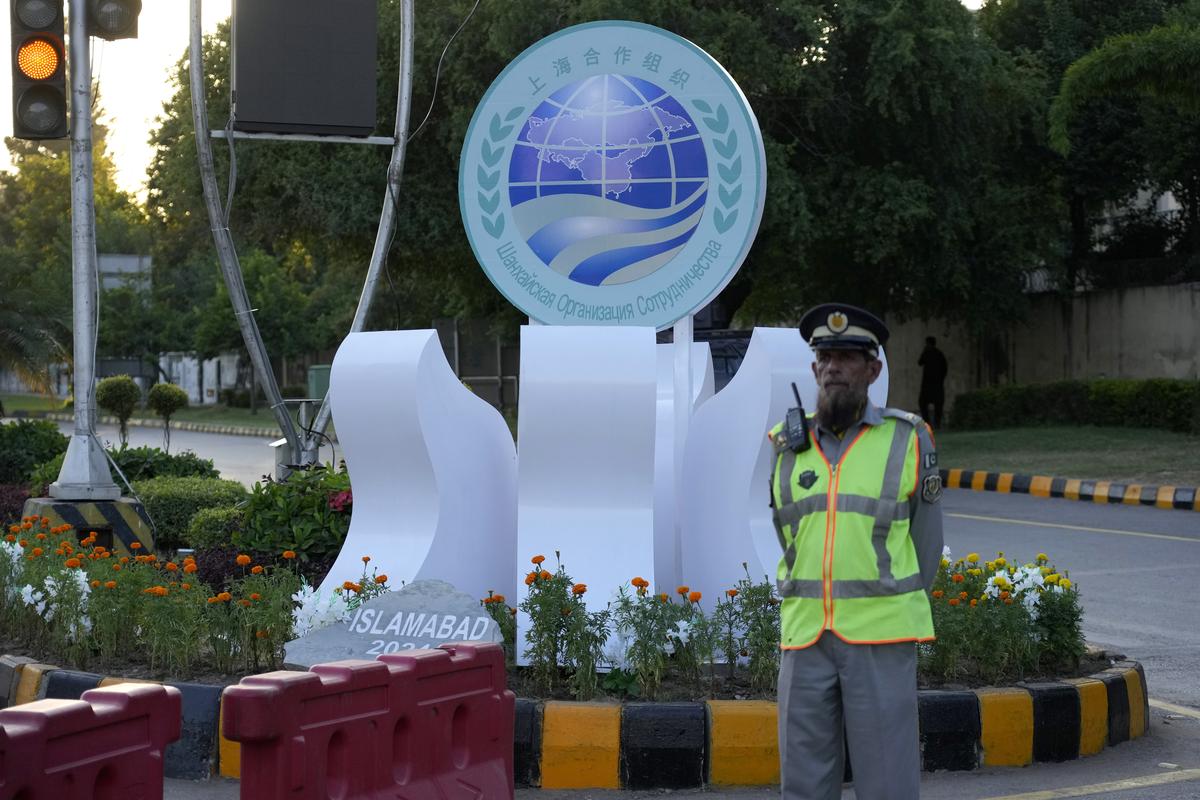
(107, 746)
(427, 724)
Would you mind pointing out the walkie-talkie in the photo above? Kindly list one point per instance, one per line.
(795, 426)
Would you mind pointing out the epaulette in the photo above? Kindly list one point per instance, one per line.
(899, 413)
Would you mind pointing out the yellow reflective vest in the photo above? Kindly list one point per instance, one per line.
(848, 564)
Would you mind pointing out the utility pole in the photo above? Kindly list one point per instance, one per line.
(85, 474)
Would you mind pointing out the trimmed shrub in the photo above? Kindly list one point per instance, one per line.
(214, 527)
(165, 399)
(172, 502)
(138, 464)
(309, 513)
(1156, 403)
(12, 502)
(119, 396)
(25, 444)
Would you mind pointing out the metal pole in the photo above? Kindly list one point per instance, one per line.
(682, 397)
(84, 474)
(387, 219)
(224, 242)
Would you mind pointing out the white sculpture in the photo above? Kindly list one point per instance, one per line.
(585, 474)
(727, 463)
(667, 543)
(433, 467)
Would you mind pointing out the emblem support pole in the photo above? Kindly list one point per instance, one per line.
(682, 398)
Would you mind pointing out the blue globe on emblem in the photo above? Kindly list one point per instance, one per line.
(608, 179)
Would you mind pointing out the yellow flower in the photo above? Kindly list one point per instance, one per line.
(1065, 583)
(973, 557)
(975, 572)
(1000, 562)
(1042, 558)
(1052, 577)
(991, 566)
(945, 562)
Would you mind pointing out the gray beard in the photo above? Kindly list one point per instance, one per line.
(837, 411)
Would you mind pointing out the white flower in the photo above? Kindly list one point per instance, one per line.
(946, 551)
(315, 610)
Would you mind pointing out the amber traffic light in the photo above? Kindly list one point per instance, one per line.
(39, 70)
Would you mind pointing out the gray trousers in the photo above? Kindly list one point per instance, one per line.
(871, 690)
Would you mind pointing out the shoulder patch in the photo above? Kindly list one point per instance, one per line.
(896, 413)
(931, 488)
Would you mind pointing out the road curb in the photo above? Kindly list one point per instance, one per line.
(178, 425)
(561, 745)
(1180, 498)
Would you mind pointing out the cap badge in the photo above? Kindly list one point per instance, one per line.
(837, 322)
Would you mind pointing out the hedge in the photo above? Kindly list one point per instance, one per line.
(172, 502)
(1154, 403)
(25, 444)
(214, 527)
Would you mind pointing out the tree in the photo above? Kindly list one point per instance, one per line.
(119, 396)
(164, 400)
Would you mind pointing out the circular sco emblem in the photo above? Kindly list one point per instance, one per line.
(613, 174)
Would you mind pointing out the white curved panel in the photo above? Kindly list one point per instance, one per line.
(433, 467)
(585, 473)
(727, 463)
(667, 544)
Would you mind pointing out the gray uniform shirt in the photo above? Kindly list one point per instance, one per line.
(925, 518)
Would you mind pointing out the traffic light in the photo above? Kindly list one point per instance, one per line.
(39, 70)
(113, 19)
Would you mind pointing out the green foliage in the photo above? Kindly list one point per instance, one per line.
(24, 445)
(1155, 403)
(172, 502)
(300, 513)
(547, 604)
(214, 527)
(119, 396)
(165, 399)
(653, 624)
(505, 616)
(138, 464)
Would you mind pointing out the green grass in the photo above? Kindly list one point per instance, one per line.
(1127, 455)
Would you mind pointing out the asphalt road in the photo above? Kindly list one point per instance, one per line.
(1135, 568)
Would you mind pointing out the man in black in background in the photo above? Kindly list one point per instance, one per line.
(933, 382)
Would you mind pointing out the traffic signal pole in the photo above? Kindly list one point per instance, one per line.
(84, 474)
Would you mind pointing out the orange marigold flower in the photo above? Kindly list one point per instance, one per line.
(45, 522)
(1005, 595)
(682, 590)
(537, 559)
(937, 594)
(261, 634)
(243, 560)
(60, 552)
(663, 597)
(953, 601)
(37, 551)
(244, 603)
(640, 582)
(116, 567)
(255, 596)
(41, 537)
(512, 611)
(498, 598)
(172, 566)
(366, 559)
(135, 546)
(26, 526)
(212, 601)
(124, 559)
(256, 570)
(347, 584)
(731, 592)
(185, 586)
(530, 578)
(95, 584)
(579, 588)
(110, 584)
(1008, 602)
(73, 563)
(190, 567)
(289, 554)
(545, 575)
(381, 579)
(10, 538)
(963, 595)
(14, 528)
(356, 587)
(958, 578)
(694, 597)
(224, 597)
(974, 602)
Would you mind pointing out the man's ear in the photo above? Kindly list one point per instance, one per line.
(874, 368)
(814, 369)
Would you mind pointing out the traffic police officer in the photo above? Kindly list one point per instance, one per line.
(855, 490)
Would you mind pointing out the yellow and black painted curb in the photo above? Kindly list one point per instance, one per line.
(567, 745)
(1184, 498)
